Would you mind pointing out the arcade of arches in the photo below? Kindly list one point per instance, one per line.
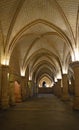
(39, 48)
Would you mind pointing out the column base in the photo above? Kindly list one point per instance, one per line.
(4, 104)
(76, 103)
(23, 98)
(65, 98)
(59, 94)
(18, 100)
(12, 103)
(23, 95)
(0, 104)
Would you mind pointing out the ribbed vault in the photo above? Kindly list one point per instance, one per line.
(40, 35)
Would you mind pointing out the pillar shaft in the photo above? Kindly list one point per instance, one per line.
(0, 87)
(55, 89)
(30, 85)
(11, 89)
(11, 94)
(23, 88)
(4, 87)
(65, 95)
(72, 86)
(59, 89)
(75, 67)
(35, 89)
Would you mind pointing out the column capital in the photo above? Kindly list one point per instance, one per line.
(30, 81)
(64, 76)
(59, 80)
(4, 66)
(74, 64)
(22, 77)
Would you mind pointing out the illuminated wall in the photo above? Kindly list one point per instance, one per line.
(49, 83)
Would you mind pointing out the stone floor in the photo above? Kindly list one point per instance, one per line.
(46, 112)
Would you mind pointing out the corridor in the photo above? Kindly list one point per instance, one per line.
(45, 112)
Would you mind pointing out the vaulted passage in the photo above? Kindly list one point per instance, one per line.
(41, 113)
(39, 64)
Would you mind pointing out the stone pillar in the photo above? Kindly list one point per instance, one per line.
(4, 87)
(55, 89)
(23, 88)
(72, 86)
(75, 67)
(35, 87)
(11, 90)
(30, 85)
(37, 92)
(59, 89)
(0, 87)
(65, 95)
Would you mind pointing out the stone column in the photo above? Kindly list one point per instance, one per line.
(35, 89)
(4, 87)
(0, 87)
(75, 67)
(37, 92)
(30, 85)
(72, 86)
(55, 89)
(65, 95)
(11, 90)
(59, 89)
(23, 88)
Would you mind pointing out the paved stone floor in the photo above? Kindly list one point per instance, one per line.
(46, 112)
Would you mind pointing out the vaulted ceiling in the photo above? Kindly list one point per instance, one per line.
(41, 34)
